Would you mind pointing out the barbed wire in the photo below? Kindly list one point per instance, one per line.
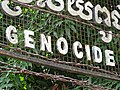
(18, 70)
(62, 78)
(88, 23)
(55, 60)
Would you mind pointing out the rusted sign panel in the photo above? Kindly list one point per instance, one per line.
(77, 36)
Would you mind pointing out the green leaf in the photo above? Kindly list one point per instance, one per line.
(67, 30)
(73, 28)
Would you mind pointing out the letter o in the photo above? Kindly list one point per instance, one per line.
(63, 50)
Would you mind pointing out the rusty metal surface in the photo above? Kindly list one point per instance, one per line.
(17, 70)
(87, 33)
(66, 68)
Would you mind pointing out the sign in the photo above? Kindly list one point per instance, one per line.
(90, 48)
(85, 10)
(62, 46)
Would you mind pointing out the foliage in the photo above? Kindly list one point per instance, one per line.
(10, 81)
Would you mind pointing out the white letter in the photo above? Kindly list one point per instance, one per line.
(62, 46)
(115, 15)
(87, 49)
(70, 9)
(77, 45)
(46, 43)
(88, 5)
(25, 1)
(107, 38)
(55, 7)
(98, 19)
(8, 11)
(40, 3)
(97, 54)
(109, 59)
(29, 42)
(10, 36)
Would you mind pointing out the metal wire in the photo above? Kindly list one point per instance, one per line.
(59, 25)
(18, 70)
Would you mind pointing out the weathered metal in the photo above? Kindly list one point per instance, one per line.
(85, 34)
(18, 70)
(60, 66)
